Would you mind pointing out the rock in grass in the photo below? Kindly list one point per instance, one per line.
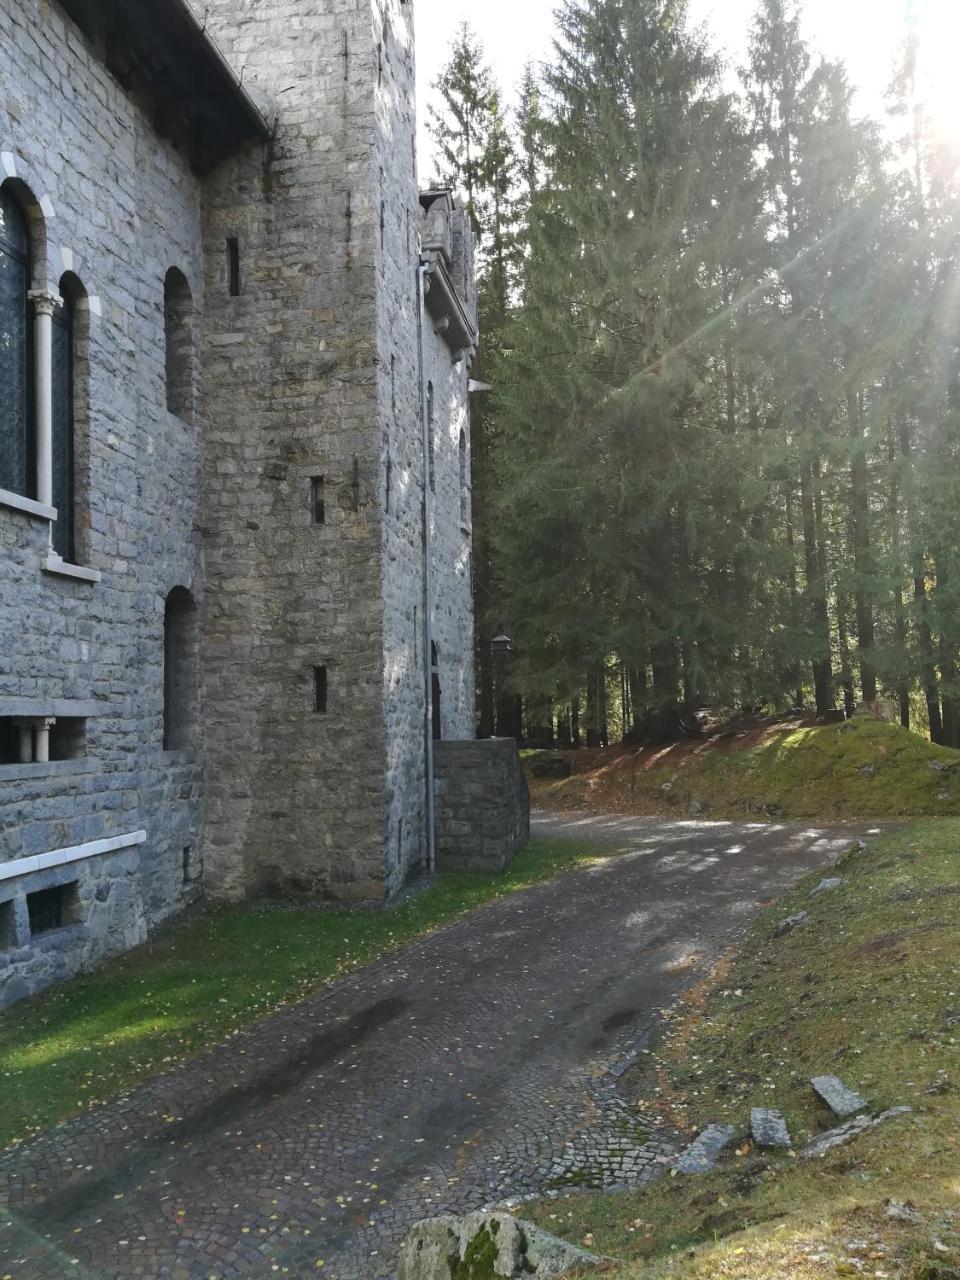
(846, 1132)
(901, 1211)
(769, 1128)
(842, 1101)
(702, 1154)
(791, 923)
(831, 882)
(487, 1244)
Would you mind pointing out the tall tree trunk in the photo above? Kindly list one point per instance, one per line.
(637, 680)
(860, 537)
(846, 671)
(792, 574)
(899, 616)
(950, 675)
(595, 712)
(928, 670)
(816, 589)
(575, 724)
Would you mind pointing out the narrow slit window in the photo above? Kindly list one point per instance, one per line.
(63, 532)
(320, 690)
(233, 266)
(318, 504)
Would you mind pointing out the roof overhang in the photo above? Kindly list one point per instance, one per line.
(450, 320)
(161, 53)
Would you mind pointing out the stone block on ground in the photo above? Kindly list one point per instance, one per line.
(497, 1244)
(551, 767)
(702, 1154)
(826, 885)
(842, 1101)
(846, 1132)
(769, 1128)
(790, 923)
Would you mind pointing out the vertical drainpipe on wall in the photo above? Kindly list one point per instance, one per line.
(427, 577)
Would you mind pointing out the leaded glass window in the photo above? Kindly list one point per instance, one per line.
(63, 529)
(15, 383)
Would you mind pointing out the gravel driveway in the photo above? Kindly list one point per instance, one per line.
(478, 1064)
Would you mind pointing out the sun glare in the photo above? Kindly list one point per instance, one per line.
(939, 83)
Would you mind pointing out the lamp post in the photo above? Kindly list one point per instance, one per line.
(501, 646)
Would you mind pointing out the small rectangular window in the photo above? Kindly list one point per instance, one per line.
(317, 500)
(320, 690)
(233, 265)
(51, 909)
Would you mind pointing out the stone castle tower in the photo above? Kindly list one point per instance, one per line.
(313, 384)
(235, 538)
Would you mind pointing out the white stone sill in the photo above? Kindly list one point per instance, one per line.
(16, 502)
(63, 857)
(50, 769)
(54, 564)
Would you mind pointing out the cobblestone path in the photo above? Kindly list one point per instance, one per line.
(478, 1065)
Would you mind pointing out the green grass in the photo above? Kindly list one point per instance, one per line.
(862, 769)
(868, 989)
(80, 1044)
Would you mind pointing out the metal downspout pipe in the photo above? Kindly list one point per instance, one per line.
(429, 808)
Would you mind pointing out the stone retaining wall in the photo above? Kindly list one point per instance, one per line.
(483, 805)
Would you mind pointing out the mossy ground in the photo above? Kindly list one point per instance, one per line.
(863, 768)
(868, 989)
(80, 1044)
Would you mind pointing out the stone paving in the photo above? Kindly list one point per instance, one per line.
(476, 1067)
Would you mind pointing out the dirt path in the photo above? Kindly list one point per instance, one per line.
(475, 1065)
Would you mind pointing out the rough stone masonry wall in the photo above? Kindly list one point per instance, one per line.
(119, 207)
(401, 452)
(295, 797)
(483, 805)
(402, 468)
(452, 536)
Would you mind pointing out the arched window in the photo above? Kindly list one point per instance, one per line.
(16, 372)
(181, 662)
(63, 371)
(179, 339)
(464, 490)
(431, 440)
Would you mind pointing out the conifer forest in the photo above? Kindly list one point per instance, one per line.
(719, 465)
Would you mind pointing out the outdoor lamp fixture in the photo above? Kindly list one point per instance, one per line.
(501, 644)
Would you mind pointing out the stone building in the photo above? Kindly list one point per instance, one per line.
(235, 596)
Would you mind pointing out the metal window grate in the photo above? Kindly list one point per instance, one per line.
(47, 908)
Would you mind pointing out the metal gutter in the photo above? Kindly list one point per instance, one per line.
(429, 807)
(257, 117)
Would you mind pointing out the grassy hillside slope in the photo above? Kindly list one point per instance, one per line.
(868, 989)
(863, 768)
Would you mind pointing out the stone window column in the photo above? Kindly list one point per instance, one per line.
(35, 739)
(44, 304)
(41, 750)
